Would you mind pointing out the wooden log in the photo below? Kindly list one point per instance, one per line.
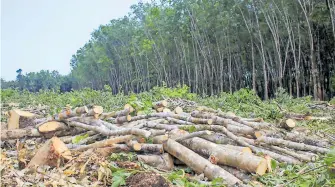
(219, 138)
(115, 148)
(155, 125)
(157, 132)
(160, 109)
(151, 148)
(166, 110)
(306, 139)
(52, 126)
(238, 148)
(106, 143)
(198, 163)
(51, 153)
(121, 119)
(177, 121)
(128, 106)
(104, 131)
(161, 162)
(268, 133)
(18, 133)
(230, 157)
(290, 144)
(178, 110)
(242, 142)
(287, 124)
(242, 175)
(96, 111)
(192, 135)
(301, 157)
(68, 113)
(160, 139)
(185, 118)
(115, 114)
(134, 145)
(15, 116)
(160, 104)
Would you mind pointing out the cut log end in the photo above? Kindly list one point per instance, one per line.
(128, 106)
(98, 109)
(288, 124)
(160, 109)
(51, 126)
(178, 110)
(262, 167)
(166, 110)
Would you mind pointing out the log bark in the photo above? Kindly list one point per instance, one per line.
(241, 141)
(219, 139)
(157, 132)
(120, 119)
(230, 157)
(290, 144)
(238, 148)
(242, 175)
(160, 104)
(287, 124)
(15, 118)
(306, 140)
(162, 162)
(52, 126)
(51, 153)
(160, 139)
(115, 148)
(106, 143)
(68, 113)
(192, 135)
(198, 163)
(177, 121)
(151, 148)
(115, 114)
(178, 110)
(18, 133)
(292, 153)
(104, 131)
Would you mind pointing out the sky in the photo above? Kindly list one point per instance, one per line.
(44, 34)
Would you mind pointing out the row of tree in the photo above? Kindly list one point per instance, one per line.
(214, 46)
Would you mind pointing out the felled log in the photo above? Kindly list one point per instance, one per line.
(115, 114)
(157, 132)
(18, 133)
(68, 139)
(185, 118)
(51, 153)
(134, 145)
(68, 113)
(306, 140)
(287, 124)
(115, 148)
(16, 117)
(160, 109)
(52, 126)
(104, 131)
(160, 104)
(219, 139)
(95, 111)
(301, 157)
(106, 143)
(242, 175)
(162, 162)
(192, 135)
(242, 141)
(120, 119)
(178, 121)
(290, 144)
(198, 163)
(230, 157)
(237, 148)
(178, 110)
(166, 110)
(150, 148)
(160, 139)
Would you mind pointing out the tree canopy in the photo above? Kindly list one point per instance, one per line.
(210, 45)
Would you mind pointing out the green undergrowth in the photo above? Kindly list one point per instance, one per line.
(243, 102)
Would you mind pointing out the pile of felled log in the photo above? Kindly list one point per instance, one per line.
(210, 142)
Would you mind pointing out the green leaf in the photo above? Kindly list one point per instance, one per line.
(78, 138)
(273, 164)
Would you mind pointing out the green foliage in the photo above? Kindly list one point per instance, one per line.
(78, 138)
(123, 156)
(178, 178)
(119, 178)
